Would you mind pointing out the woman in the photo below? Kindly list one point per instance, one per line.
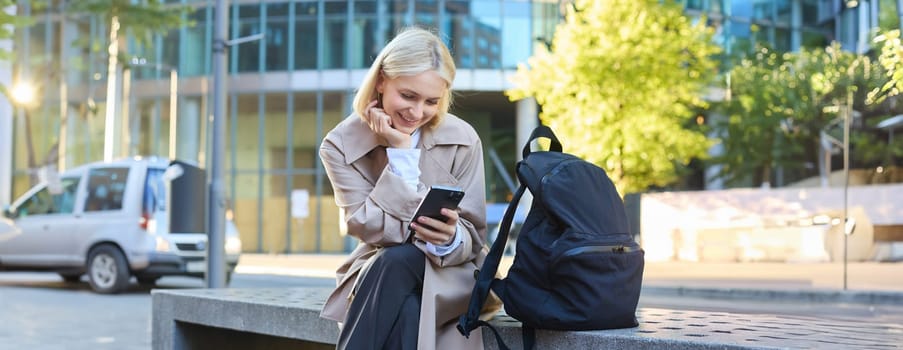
(404, 288)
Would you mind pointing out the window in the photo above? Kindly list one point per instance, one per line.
(335, 35)
(695, 4)
(46, 202)
(154, 192)
(248, 25)
(276, 37)
(515, 22)
(426, 13)
(365, 35)
(306, 35)
(106, 189)
(195, 45)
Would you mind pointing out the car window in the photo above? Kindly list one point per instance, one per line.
(106, 189)
(64, 202)
(43, 202)
(154, 191)
(38, 204)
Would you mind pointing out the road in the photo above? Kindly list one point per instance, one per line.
(39, 311)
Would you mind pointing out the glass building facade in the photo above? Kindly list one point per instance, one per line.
(288, 89)
(787, 25)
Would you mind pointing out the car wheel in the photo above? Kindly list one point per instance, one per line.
(71, 277)
(228, 278)
(108, 271)
(148, 281)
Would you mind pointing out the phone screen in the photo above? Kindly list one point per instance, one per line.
(437, 198)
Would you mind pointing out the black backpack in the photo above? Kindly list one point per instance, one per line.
(576, 265)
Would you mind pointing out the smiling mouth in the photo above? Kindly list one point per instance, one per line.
(409, 121)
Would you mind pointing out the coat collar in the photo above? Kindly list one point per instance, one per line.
(358, 139)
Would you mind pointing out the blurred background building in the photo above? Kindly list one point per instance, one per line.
(290, 88)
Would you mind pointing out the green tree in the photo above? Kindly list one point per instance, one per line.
(888, 17)
(7, 24)
(751, 128)
(140, 19)
(891, 59)
(781, 102)
(621, 84)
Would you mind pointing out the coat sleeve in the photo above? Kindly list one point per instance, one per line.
(376, 213)
(469, 172)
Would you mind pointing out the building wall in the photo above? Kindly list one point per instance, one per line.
(786, 224)
(287, 91)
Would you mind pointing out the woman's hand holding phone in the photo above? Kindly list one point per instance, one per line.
(436, 218)
(381, 124)
(436, 231)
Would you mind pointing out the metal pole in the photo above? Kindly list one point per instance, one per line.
(848, 111)
(8, 76)
(125, 130)
(25, 77)
(215, 203)
(110, 119)
(6, 143)
(63, 142)
(29, 145)
(173, 111)
(64, 118)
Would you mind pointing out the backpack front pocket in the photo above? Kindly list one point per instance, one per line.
(596, 285)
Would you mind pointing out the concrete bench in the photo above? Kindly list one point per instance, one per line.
(287, 318)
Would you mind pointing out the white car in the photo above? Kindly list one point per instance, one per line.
(112, 221)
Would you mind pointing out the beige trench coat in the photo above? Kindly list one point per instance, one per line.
(377, 206)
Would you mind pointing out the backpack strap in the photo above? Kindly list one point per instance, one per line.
(528, 336)
(498, 337)
(542, 131)
(486, 274)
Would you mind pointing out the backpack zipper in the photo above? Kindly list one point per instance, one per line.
(547, 177)
(620, 249)
(555, 170)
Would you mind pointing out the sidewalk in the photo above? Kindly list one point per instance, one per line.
(867, 282)
(717, 305)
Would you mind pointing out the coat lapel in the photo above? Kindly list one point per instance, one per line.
(439, 146)
(364, 150)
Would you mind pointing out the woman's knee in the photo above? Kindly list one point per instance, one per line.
(400, 255)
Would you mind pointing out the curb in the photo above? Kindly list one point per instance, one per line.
(811, 296)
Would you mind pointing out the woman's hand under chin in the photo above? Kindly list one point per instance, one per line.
(381, 124)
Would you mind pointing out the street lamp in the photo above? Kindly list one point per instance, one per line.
(23, 96)
(216, 213)
(828, 143)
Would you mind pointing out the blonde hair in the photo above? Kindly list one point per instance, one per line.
(413, 51)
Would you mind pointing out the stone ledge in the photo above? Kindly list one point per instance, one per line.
(288, 318)
(803, 295)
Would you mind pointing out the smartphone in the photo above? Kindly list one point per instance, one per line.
(437, 198)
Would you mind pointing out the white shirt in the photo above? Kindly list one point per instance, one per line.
(405, 162)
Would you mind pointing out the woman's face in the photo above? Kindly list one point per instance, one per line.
(412, 101)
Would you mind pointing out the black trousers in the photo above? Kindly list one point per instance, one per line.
(385, 312)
